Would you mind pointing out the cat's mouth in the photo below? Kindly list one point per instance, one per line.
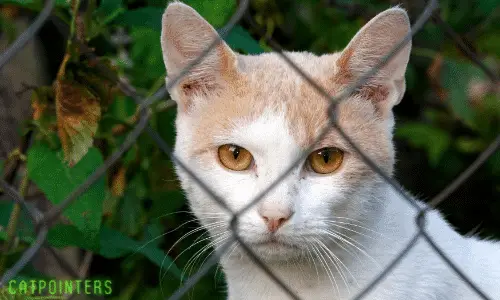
(273, 242)
(274, 249)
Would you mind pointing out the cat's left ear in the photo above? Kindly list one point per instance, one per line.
(184, 37)
(368, 47)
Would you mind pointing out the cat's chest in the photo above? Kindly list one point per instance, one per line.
(259, 286)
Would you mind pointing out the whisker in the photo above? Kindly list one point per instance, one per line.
(342, 247)
(215, 245)
(312, 259)
(162, 235)
(341, 263)
(188, 212)
(325, 266)
(235, 243)
(337, 236)
(216, 240)
(179, 240)
(344, 237)
(355, 225)
(335, 261)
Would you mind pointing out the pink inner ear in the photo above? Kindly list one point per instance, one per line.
(185, 35)
(199, 86)
(344, 76)
(375, 93)
(385, 88)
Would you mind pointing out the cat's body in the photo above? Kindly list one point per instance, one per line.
(421, 274)
(332, 225)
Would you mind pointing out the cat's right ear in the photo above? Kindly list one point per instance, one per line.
(367, 48)
(184, 37)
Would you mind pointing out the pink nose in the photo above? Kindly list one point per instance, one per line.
(275, 221)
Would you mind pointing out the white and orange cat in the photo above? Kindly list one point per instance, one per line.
(333, 224)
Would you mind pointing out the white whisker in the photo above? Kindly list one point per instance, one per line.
(339, 237)
(327, 270)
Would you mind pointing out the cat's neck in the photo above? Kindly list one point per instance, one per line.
(388, 228)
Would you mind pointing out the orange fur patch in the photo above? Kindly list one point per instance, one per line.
(266, 82)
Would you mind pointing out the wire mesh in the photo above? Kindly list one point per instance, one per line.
(43, 221)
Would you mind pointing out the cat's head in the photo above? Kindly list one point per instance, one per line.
(243, 120)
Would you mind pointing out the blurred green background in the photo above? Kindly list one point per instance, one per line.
(132, 218)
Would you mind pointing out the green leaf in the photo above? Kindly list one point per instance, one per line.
(152, 232)
(103, 15)
(34, 3)
(130, 208)
(456, 77)
(433, 140)
(487, 6)
(166, 202)
(47, 169)
(5, 211)
(411, 77)
(109, 9)
(149, 17)
(24, 229)
(8, 28)
(216, 12)
(494, 163)
(240, 40)
(63, 235)
(122, 108)
(147, 56)
(115, 244)
(470, 145)
(489, 43)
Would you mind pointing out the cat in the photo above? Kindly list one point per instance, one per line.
(332, 225)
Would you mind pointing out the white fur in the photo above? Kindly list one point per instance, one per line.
(391, 222)
(372, 222)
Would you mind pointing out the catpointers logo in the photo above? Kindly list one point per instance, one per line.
(54, 289)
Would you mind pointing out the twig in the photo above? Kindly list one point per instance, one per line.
(84, 267)
(10, 174)
(462, 46)
(132, 120)
(13, 222)
(28, 34)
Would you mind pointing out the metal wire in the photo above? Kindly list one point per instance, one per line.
(42, 221)
(28, 34)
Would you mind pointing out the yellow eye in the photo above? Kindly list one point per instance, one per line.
(235, 157)
(326, 160)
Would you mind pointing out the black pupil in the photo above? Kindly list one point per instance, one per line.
(236, 152)
(326, 155)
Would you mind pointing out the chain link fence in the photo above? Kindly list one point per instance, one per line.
(42, 221)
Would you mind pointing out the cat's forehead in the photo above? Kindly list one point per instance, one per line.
(267, 86)
(267, 83)
(277, 71)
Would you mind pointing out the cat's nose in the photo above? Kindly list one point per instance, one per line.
(275, 219)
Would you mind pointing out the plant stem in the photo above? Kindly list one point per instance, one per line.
(75, 5)
(424, 52)
(13, 222)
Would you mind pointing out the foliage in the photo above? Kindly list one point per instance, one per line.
(132, 218)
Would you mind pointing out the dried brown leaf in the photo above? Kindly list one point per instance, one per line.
(434, 74)
(478, 89)
(78, 113)
(39, 106)
(118, 183)
(10, 11)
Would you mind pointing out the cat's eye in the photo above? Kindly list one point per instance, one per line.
(325, 160)
(235, 157)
